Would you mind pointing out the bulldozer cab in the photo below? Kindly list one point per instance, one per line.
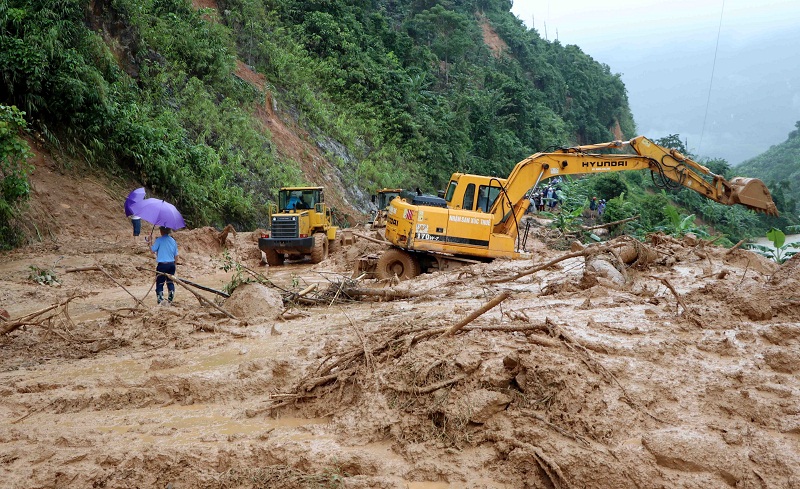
(384, 196)
(299, 198)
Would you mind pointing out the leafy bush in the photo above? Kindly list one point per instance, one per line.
(14, 172)
(780, 251)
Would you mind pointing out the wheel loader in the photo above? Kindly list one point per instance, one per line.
(301, 225)
(478, 218)
(381, 199)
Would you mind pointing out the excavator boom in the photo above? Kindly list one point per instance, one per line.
(478, 219)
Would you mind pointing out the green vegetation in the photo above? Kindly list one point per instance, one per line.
(409, 89)
(402, 92)
(780, 251)
(14, 172)
(779, 168)
(43, 276)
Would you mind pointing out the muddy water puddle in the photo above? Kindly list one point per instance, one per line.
(185, 425)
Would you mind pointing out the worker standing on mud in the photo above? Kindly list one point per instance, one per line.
(166, 250)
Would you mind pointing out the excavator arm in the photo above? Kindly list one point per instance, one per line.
(670, 169)
(478, 219)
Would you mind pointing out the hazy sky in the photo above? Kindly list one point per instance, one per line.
(665, 51)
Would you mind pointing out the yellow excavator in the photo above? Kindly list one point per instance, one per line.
(478, 218)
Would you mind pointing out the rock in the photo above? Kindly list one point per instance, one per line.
(496, 374)
(690, 239)
(477, 406)
(602, 268)
(511, 361)
(254, 300)
(468, 361)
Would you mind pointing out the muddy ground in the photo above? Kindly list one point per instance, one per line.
(582, 377)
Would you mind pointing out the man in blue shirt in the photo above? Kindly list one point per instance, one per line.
(166, 249)
(294, 200)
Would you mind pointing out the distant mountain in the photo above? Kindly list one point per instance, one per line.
(754, 97)
(779, 168)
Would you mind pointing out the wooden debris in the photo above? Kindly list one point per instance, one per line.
(489, 305)
(363, 236)
(99, 268)
(206, 288)
(609, 224)
(737, 245)
(34, 318)
(538, 268)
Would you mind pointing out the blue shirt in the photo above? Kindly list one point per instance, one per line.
(166, 249)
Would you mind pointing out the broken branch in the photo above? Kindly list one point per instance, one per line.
(489, 305)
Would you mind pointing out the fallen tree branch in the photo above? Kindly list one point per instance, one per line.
(371, 239)
(489, 305)
(207, 289)
(609, 224)
(737, 245)
(533, 270)
(28, 320)
(99, 268)
(428, 388)
(672, 289)
(199, 297)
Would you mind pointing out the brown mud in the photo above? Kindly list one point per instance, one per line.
(675, 371)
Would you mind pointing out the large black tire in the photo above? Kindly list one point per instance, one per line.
(397, 262)
(335, 245)
(320, 250)
(274, 258)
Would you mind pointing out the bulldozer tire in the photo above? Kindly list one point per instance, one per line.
(397, 262)
(274, 258)
(335, 245)
(320, 250)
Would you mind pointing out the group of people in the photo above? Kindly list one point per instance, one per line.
(545, 198)
(597, 207)
(165, 248)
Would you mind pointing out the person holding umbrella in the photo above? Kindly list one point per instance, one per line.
(133, 198)
(166, 250)
(167, 217)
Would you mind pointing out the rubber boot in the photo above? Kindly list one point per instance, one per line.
(171, 296)
(160, 297)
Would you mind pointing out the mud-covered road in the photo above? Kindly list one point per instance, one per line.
(676, 370)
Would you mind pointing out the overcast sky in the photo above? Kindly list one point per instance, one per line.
(665, 52)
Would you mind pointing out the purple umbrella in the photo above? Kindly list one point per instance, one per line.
(159, 213)
(133, 197)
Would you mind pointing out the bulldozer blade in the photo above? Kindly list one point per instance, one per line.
(753, 194)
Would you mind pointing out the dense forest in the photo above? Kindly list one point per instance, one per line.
(779, 168)
(412, 90)
(409, 88)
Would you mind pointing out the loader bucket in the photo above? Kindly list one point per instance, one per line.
(753, 194)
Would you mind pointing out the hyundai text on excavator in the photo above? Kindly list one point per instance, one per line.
(478, 218)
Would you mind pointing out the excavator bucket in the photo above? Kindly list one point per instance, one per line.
(752, 193)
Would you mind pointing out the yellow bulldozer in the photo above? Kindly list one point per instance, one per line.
(478, 218)
(301, 225)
